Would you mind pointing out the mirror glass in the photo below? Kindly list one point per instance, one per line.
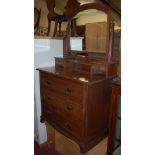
(89, 31)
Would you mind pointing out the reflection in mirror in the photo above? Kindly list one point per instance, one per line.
(37, 14)
(76, 43)
(89, 31)
(82, 2)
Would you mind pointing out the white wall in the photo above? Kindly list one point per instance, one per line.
(44, 52)
(90, 16)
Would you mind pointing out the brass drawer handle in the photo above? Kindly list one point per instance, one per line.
(68, 125)
(49, 98)
(47, 83)
(68, 90)
(69, 107)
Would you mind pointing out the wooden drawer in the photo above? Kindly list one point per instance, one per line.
(62, 85)
(64, 63)
(62, 105)
(83, 66)
(47, 112)
(69, 125)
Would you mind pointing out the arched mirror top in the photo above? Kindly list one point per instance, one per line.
(90, 16)
(89, 29)
(73, 11)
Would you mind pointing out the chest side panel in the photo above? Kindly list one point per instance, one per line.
(97, 112)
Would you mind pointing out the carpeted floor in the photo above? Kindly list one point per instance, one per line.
(43, 151)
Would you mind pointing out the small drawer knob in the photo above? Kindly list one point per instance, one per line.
(47, 83)
(69, 107)
(68, 90)
(49, 98)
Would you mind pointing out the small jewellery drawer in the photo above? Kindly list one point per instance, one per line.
(68, 63)
(62, 85)
(62, 105)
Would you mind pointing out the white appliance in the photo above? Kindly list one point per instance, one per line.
(44, 52)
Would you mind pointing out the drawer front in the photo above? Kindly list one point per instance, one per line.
(59, 62)
(65, 107)
(62, 85)
(69, 126)
(47, 112)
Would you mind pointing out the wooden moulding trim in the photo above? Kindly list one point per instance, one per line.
(112, 6)
(86, 7)
(111, 41)
(107, 36)
(116, 90)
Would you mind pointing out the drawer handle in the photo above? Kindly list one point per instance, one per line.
(69, 107)
(47, 83)
(49, 99)
(68, 125)
(68, 90)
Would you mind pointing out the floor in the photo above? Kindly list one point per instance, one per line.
(46, 151)
(43, 151)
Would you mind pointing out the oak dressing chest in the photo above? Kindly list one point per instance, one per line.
(76, 92)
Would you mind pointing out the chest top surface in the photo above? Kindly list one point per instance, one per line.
(75, 75)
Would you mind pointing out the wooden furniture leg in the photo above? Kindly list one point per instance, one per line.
(55, 28)
(59, 28)
(49, 27)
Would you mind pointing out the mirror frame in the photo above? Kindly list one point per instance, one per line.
(110, 32)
